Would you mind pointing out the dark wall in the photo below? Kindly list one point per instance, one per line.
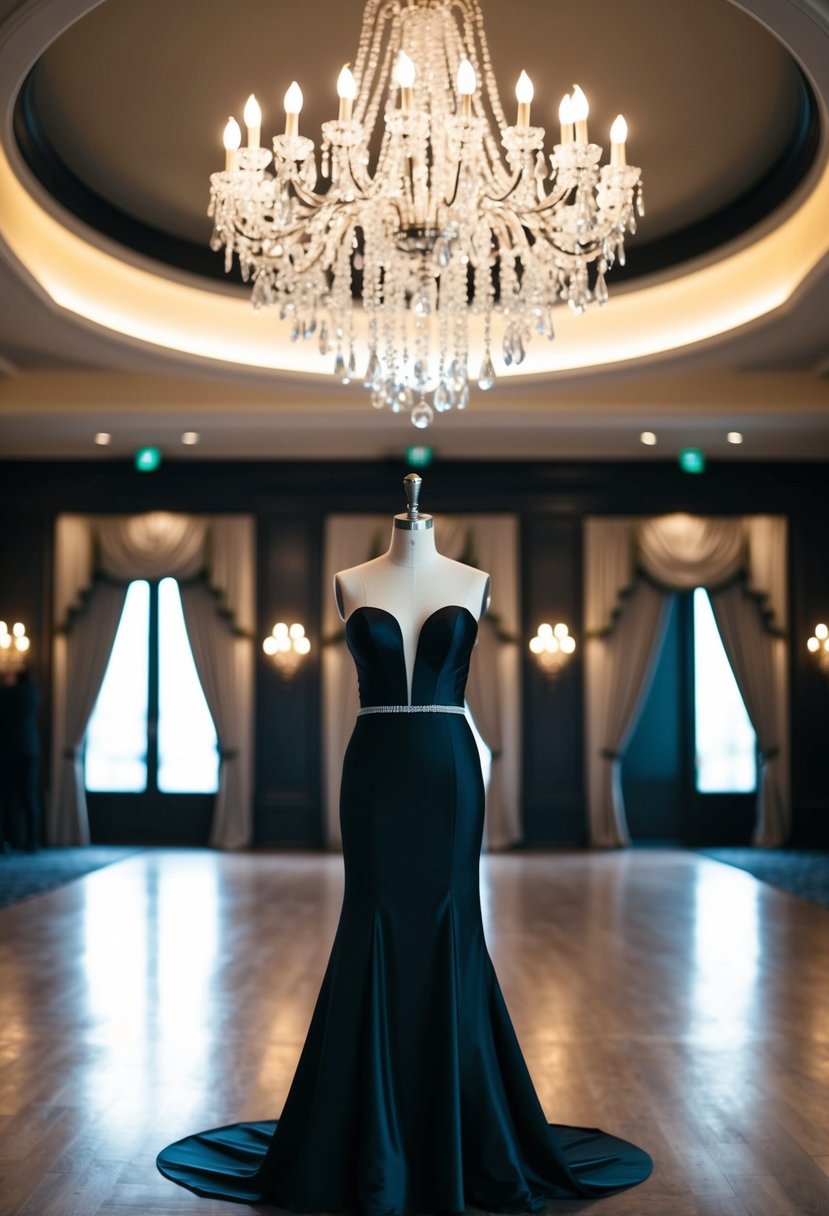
(290, 502)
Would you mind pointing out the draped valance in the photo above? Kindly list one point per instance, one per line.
(157, 544)
(679, 552)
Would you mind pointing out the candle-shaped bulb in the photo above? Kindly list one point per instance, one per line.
(619, 130)
(293, 105)
(618, 135)
(467, 80)
(231, 138)
(346, 84)
(253, 121)
(565, 117)
(346, 91)
(467, 84)
(523, 95)
(405, 73)
(293, 99)
(579, 110)
(524, 90)
(578, 104)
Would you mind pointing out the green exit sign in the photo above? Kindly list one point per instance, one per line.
(147, 460)
(692, 460)
(418, 456)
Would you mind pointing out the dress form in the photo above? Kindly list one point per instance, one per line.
(411, 580)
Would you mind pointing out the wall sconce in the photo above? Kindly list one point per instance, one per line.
(13, 647)
(287, 646)
(818, 645)
(551, 647)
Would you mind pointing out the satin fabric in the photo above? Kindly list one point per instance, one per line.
(411, 1093)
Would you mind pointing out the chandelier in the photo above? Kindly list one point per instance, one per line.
(429, 209)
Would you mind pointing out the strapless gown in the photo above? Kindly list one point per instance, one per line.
(411, 1093)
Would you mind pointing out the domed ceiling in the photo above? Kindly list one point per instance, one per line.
(114, 126)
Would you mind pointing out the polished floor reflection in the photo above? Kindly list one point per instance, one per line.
(660, 995)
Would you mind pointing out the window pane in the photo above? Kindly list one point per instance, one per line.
(188, 755)
(116, 738)
(725, 740)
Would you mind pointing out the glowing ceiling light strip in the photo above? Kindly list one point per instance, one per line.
(93, 284)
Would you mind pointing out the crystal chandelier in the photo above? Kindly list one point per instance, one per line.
(436, 211)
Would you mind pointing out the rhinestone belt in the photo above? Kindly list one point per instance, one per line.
(411, 709)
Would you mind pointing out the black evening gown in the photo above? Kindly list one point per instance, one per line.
(411, 1093)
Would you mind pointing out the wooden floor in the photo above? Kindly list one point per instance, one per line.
(660, 995)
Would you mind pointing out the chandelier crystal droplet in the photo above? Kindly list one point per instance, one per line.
(437, 216)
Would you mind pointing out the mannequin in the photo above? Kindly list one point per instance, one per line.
(411, 1093)
(412, 580)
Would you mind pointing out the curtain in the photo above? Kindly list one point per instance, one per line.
(767, 576)
(609, 570)
(742, 563)
(759, 662)
(491, 543)
(219, 551)
(223, 661)
(80, 660)
(619, 669)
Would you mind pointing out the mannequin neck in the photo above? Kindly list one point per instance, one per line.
(412, 549)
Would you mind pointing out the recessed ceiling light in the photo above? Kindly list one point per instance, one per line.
(103, 438)
(734, 437)
(648, 438)
(190, 437)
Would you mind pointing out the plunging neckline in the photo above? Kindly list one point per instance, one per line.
(431, 616)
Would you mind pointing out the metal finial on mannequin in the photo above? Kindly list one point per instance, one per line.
(412, 520)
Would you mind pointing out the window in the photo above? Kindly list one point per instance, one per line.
(151, 728)
(188, 757)
(726, 746)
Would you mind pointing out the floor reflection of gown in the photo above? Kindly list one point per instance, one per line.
(411, 1093)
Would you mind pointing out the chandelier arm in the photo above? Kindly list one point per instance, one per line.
(309, 198)
(359, 175)
(552, 200)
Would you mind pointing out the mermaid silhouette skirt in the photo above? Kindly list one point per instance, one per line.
(411, 1093)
